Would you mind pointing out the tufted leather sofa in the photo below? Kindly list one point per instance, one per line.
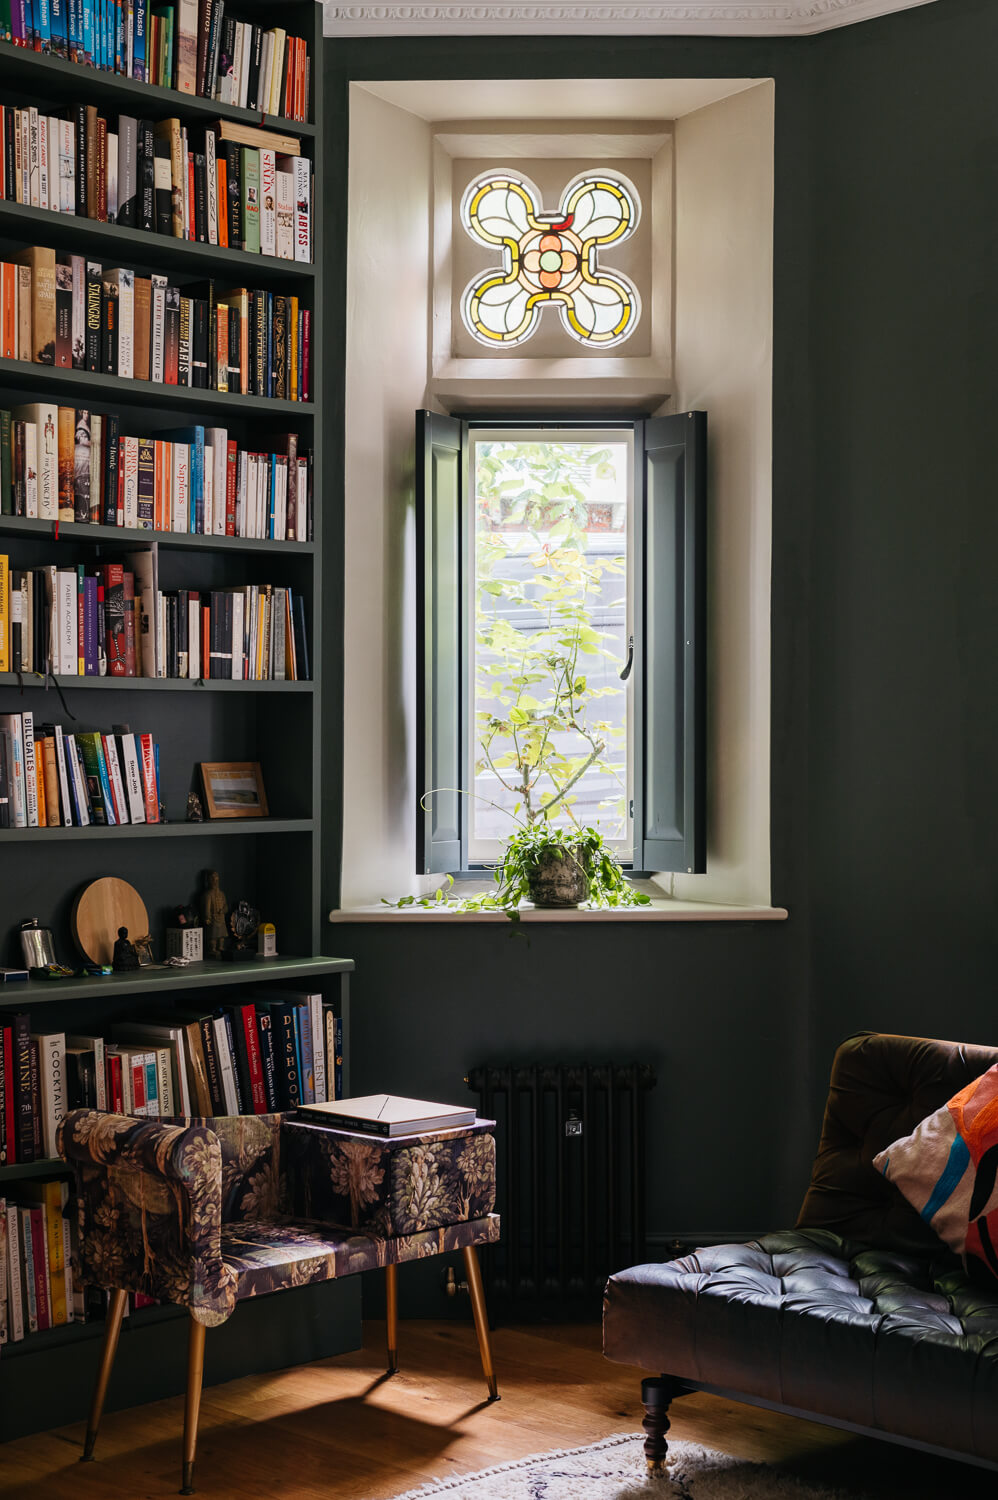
(859, 1316)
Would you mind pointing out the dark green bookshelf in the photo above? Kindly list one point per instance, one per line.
(25, 526)
(28, 74)
(151, 684)
(273, 862)
(161, 252)
(66, 385)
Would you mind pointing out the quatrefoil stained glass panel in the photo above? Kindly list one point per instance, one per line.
(550, 259)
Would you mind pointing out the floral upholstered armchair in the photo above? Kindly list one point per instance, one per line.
(205, 1213)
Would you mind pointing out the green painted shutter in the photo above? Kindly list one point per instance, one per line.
(439, 484)
(669, 810)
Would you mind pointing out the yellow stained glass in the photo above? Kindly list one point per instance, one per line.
(550, 259)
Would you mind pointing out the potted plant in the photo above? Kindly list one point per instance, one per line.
(549, 683)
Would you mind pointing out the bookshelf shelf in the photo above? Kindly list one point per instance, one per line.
(22, 1171)
(74, 1333)
(39, 226)
(31, 73)
(64, 384)
(30, 527)
(225, 826)
(151, 984)
(152, 684)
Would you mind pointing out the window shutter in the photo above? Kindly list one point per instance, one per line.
(439, 484)
(669, 813)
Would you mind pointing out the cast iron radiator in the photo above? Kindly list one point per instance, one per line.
(570, 1141)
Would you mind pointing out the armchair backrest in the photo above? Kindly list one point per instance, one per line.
(254, 1182)
(881, 1087)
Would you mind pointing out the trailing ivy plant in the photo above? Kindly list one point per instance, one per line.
(522, 851)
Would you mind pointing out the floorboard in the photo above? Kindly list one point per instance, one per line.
(339, 1430)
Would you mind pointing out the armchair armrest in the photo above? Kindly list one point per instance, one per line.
(149, 1203)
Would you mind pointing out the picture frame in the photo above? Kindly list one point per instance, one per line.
(233, 789)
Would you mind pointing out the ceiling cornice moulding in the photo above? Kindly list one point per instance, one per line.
(582, 18)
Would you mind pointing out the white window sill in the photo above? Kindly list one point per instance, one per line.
(663, 910)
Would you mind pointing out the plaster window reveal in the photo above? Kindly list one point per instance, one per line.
(550, 260)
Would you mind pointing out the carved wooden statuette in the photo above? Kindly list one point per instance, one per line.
(214, 916)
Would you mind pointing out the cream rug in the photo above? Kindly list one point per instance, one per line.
(615, 1470)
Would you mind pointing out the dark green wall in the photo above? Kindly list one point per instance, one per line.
(884, 502)
(903, 814)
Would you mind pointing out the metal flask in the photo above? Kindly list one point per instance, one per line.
(37, 945)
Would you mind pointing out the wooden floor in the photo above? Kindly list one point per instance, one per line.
(340, 1431)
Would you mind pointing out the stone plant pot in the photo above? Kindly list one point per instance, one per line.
(558, 880)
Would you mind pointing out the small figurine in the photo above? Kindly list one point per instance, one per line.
(243, 921)
(186, 916)
(214, 914)
(195, 812)
(125, 957)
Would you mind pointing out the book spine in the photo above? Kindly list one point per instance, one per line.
(212, 1067)
(265, 1023)
(257, 1089)
(52, 1063)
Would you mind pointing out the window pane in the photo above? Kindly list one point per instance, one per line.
(550, 725)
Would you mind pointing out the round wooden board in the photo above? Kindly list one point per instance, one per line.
(100, 909)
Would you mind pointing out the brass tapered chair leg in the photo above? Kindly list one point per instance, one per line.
(192, 1401)
(112, 1328)
(474, 1278)
(392, 1314)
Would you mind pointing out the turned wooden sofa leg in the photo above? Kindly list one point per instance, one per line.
(656, 1394)
(192, 1401)
(392, 1316)
(112, 1328)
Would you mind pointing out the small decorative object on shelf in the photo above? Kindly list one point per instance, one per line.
(143, 948)
(266, 940)
(234, 789)
(214, 915)
(195, 812)
(37, 946)
(186, 916)
(186, 943)
(243, 923)
(125, 957)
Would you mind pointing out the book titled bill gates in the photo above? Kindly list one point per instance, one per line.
(386, 1114)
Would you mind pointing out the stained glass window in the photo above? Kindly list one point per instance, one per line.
(550, 259)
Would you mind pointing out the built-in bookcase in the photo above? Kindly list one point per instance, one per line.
(273, 862)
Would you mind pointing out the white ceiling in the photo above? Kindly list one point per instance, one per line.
(581, 18)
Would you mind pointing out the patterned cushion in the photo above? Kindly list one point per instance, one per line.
(272, 1256)
(947, 1170)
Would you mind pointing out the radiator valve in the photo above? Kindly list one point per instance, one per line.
(573, 1125)
(452, 1286)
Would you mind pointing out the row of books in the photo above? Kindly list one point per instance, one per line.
(64, 463)
(275, 1051)
(253, 634)
(191, 46)
(223, 184)
(72, 313)
(113, 620)
(50, 778)
(36, 1277)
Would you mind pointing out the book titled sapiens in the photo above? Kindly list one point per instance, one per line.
(386, 1114)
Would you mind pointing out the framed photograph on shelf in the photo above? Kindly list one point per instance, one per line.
(233, 789)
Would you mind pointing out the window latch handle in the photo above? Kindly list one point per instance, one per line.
(625, 670)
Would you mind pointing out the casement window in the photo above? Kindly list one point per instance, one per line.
(561, 622)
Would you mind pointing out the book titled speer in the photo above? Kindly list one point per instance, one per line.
(386, 1114)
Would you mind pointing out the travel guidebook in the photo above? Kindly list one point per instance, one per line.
(386, 1114)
